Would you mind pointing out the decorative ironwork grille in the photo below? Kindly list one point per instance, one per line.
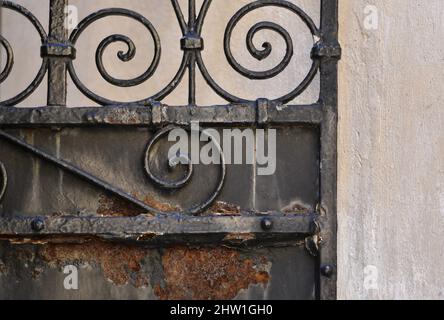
(58, 51)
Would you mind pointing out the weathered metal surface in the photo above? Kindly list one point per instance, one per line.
(66, 166)
(158, 115)
(328, 180)
(10, 55)
(115, 156)
(57, 64)
(163, 228)
(121, 271)
(49, 218)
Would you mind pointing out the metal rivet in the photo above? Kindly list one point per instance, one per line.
(38, 224)
(267, 224)
(327, 270)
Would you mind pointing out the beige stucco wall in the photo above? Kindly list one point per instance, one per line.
(391, 150)
(391, 137)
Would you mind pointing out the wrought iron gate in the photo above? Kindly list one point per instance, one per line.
(80, 167)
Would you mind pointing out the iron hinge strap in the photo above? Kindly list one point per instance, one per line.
(168, 228)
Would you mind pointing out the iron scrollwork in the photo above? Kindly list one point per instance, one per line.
(9, 59)
(10, 54)
(191, 44)
(173, 185)
(58, 52)
(266, 49)
(123, 56)
(196, 209)
(3, 181)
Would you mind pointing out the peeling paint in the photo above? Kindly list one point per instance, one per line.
(224, 208)
(120, 263)
(209, 273)
(161, 206)
(179, 272)
(115, 206)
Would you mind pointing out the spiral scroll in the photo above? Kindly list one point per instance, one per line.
(3, 181)
(9, 59)
(10, 54)
(266, 49)
(172, 185)
(123, 56)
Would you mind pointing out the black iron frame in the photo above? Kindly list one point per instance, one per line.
(58, 53)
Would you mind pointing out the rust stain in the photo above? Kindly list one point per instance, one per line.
(120, 263)
(156, 204)
(140, 280)
(224, 208)
(115, 206)
(187, 273)
(208, 273)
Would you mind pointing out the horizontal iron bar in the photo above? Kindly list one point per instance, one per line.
(159, 114)
(163, 227)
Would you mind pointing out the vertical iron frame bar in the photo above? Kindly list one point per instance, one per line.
(328, 185)
(192, 63)
(57, 68)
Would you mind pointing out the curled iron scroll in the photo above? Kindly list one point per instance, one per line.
(123, 56)
(9, 59)
(191, 56)
(171, 185)
(265, 51)
(10, 54)
(3, 181)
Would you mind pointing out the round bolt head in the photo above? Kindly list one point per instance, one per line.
(267, 224)
(38, 224)
(327, 270)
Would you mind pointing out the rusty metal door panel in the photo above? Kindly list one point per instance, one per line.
(125, 271)
(93, 187)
